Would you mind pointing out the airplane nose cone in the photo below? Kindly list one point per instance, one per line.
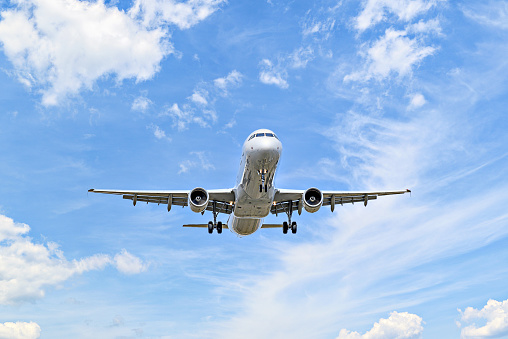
(268, 149)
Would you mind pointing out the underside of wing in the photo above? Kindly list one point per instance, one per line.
(221, 199)
(287, 201)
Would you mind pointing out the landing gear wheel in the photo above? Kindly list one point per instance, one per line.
(219, 227)
(210, 227)
(293, 227)
(285, 227)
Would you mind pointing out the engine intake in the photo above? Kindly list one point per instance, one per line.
(312, 200)
(198, 199)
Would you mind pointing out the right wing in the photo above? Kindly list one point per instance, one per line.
(287, 199)
(222, 198)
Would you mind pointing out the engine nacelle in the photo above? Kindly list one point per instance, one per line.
(312, 200)
(198, 199)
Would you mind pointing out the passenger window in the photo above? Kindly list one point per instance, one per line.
(260, 135)
(269, 135)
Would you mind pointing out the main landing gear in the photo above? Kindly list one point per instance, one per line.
(214, 224)
(286, 225)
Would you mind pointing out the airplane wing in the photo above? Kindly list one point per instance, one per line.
(222, 198)
(285, 199)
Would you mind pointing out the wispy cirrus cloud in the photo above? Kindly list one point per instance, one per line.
(491, 13)
(200, 161)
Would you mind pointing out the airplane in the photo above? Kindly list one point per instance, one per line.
(254, 197)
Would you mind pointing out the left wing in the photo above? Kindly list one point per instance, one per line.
(222, 198)
(286, 200)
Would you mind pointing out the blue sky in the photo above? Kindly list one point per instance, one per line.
(153, 94)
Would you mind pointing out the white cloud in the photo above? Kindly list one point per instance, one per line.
(128, 263)
(158, 132)
(184, 116)
(199, 97)
(495, 313)
(417, 101)
(429, 26)
(200, 106)
(61, 47)
(201, 162)
(301, 56)
(233, 79)
(374, 11)
(28, 268)
(20, 330)
(395, 52)
(399, 325)
(154, 13)
(491, 13)
(317, 28)
(141, 104)
(271, 75)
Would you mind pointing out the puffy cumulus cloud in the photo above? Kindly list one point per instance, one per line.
(495, 313)
(394, 52)
(141, 104)
(27, 268)
(154, 13)
(60, 47)
(399, 325)
(20, 330)
(417, 100)
(200, 106)
(233, 79)
(374, 11)
(272, 75)
(158, 132)
(63, 46)
(128, 263)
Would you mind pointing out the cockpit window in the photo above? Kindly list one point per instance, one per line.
(260, 135)
(269, 135)
(252, 136)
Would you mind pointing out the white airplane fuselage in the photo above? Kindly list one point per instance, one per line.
(254, 190)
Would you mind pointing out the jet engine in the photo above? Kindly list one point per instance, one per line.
(312, 200)
(198, 199)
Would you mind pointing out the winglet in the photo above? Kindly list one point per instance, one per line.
(91, 190)
(409, 191)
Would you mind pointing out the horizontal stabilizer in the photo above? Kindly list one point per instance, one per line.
(203, 225)
(271, 225)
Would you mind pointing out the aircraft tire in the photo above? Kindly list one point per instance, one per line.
(210, 227)
(219, 227)
(293, 227)
(285, 227)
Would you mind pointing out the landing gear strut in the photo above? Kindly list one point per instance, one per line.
(286, 225)
(214, 224)
(263, 185)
